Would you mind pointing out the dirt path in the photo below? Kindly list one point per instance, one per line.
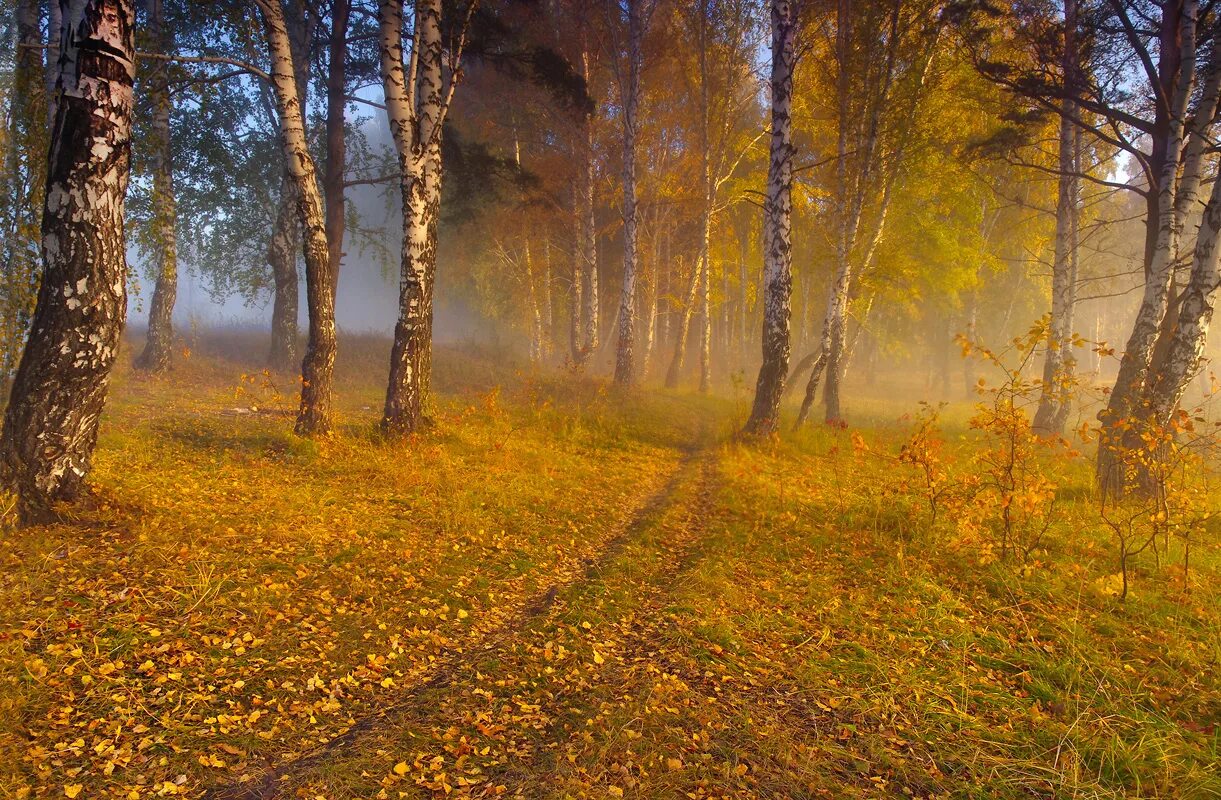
(694, 476)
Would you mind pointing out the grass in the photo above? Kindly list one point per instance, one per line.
(560, 591)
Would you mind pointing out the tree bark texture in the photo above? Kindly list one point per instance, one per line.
(51, 424)
(778, 209)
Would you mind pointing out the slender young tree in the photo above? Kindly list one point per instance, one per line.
(318, 367)
(777, 222)
(158, 347)
(872, 139)
(1055, 399)
(638, 12)
(587, 226)
(51, 423)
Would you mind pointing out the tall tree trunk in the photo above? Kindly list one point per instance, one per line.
(548, 312)
(536, 311)
(158, 347)
(674, 373)
(705, 306)
(588, 245)
(705, 265)
(665, 287)
(743, 296)
(1056, 395)
(1178, 39)
(778, 208)
(416, 113)
(336, 145)
(318, 366)
(576, 293)
(282, 258)
(649, 304)
(1195, 316)
(51, 423)
(25, 180)
(971, 333)
(285, 234)
(624, 365)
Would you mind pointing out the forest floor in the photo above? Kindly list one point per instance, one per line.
(558, 591)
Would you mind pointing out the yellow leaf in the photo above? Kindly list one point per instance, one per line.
(598, 659)
(615, 791)
(72, 789)
(400, 768)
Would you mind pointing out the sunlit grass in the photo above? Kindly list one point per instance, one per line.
(567, 591)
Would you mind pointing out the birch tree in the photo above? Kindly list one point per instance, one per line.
(723, 33)
(1155, 103)
(638, 13)
(1055, 399)
(777, 221)
(318, 366)
(417, 100)
(895, 52)
(51, 423)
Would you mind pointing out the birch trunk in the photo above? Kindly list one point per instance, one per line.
(1123, 402)
(778, 208)
(414, 107)
(282, 258)
(576, 294)
(743, 299)
(51, 422)
(705, 266)
(705, 301)
(1194, 318)
(624, 365)
(1056, 393)
(536, 312)
(649, 304)
(318, 366)
(548, 319)
(588, 244)
(158, 347)
(282, 354)
(674, 373)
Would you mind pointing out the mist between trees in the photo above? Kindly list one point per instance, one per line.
(797, 190)
(823, 397)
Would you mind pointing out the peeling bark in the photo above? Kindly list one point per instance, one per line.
(415, 108)
(51, 423)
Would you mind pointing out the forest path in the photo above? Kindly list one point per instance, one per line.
(639, 562)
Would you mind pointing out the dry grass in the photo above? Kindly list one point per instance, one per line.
(560, 592)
